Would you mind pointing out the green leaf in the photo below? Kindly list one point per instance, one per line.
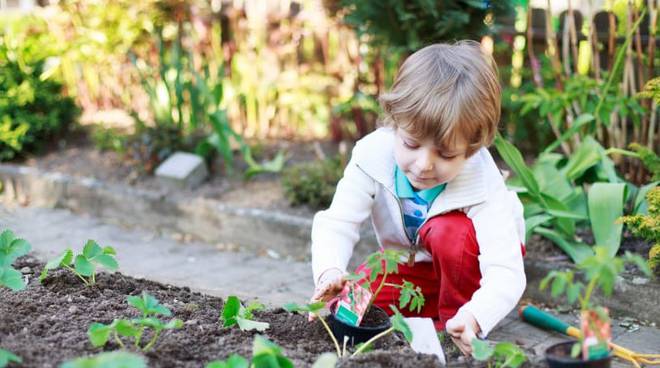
(249, 325)
(641, 205)
(83, 266)
(64, 259)
(640, 262)
(606, 202)
(481, 350)
(7, 357)
(311, 308)
(12, 279)
(534, 221)
(110, 251)
(126, 328)
(267, 354)
(513, 158)
(509, 354)
(91, 249)
(586, 156)
(114, 359)
(558, 286)
(148, 305)
(577, 251)
(234, 361)
(230, 311)
(107, 261)
(399, 324)
(173, 324)
(98, 334)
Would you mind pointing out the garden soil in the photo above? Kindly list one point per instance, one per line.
(46, 324)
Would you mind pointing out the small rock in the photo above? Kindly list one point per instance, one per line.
(69, 299)
(640, 280)
(190, 322)
(26, 270)
(73, 309)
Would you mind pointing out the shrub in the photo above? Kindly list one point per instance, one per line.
(648, 227)
(32, 109)
(312, 183)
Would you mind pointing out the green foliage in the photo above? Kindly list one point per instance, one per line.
(84, 264)
(109, 139)
(649, 158)
(648, 227)
(312, 183)
(651, 90)
(409, 25)
(150, 308)
(600, 271)
(411, 296)
(234, 361)
(11, 248)
(32, 108)
(112, 359)
(234, 313)
(267, 354)
(501, 355)
(7, 357)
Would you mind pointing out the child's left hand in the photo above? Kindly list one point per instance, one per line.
(462, 328)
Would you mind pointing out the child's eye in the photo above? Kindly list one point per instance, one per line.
(410, 144)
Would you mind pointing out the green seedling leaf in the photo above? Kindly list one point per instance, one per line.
(267, 354)
(126, 328)
(481, 350)
(108, 261)
(234, 361)
(364, 347)
(576, 350)
(7, 357)
(148, 305)
(412, 296)
(249, 325)
(326, 360)
(109, 251)
(12, 279)
(230, 311)
(11, 248)
(310, 308)
(399, 324)
(64, 259)
(99, 334)
(91, 249)
(509, 355)
(114, 359)
(83, 266)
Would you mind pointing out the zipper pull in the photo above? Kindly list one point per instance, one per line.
(411, 258)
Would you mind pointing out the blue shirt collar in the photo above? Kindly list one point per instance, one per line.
(404, 189)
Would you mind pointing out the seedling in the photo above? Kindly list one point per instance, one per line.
(7, 357)
(398, 324)
(135, 328)
(601, 271)
(315, 309)
(10, 249)
(234, 313)
(84, 264)
(265, 354)
(502, 355)
(114, 359)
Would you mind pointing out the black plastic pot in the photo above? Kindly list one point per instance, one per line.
(559, 356)
(357, 334)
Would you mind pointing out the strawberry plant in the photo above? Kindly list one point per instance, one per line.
(501, 355)
(234, 361)
(10, 249)
(84, 265)
(7, 357)
(135, 328)
(234, 313)
(113, 359)
(265, 354)
(398, 324)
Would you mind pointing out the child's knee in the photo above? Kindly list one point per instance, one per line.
(450, 235)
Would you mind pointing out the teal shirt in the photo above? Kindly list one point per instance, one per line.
(415, 204)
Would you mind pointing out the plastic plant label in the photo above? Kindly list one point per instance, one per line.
(597, 333)
(352, 303)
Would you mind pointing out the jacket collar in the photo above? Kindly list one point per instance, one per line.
(374, 154)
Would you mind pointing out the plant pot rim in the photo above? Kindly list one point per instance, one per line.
(570, 359)
(385, 325)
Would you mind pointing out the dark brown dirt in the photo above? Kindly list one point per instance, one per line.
(47, 324)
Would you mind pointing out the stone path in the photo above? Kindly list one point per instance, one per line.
(207, 269)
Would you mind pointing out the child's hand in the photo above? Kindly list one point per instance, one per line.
(329, 286)
(462, 328)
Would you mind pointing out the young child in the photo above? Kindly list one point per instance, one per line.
(432, 188)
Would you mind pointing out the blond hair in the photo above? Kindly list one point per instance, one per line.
(444, 92)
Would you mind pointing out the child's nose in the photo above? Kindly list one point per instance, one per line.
(425, 161)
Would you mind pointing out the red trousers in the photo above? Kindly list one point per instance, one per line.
(450, 280)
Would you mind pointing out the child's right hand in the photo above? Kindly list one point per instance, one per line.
(329, 286)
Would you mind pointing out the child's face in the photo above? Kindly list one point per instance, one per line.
(426, 165)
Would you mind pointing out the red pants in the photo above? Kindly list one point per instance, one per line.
(450, 280)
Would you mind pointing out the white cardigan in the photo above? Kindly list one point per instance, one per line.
(367, 188)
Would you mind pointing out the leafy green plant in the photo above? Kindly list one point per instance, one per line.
(315, 309)
(557, 196)
(135, 328)
(234, 313)
(7, 357)
(312, 183)
(32, 109)
(234, 361)
(267, 354)
(648, 227)
(109, 139)
(398, 324)
(11, 248)
(111, 359)
(501, 355)
(600, 272)
(84, 264)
